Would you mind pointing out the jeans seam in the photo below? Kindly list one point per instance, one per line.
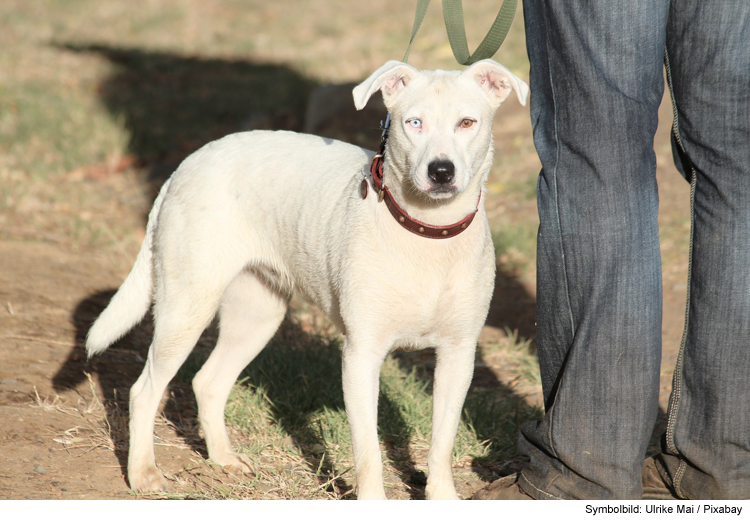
(559, 222)
(677, 377)
(557, 195)
(677, 479)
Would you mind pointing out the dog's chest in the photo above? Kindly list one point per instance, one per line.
(420, 292)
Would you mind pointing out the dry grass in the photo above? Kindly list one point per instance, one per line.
(286, 414)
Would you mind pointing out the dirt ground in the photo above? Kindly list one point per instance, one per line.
(55, 444)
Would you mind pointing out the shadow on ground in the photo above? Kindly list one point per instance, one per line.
(300, 373)
(173, 104)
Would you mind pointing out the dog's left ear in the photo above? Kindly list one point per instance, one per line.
(497, 81)
(391, 78)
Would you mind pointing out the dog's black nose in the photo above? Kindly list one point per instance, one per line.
(441, 172)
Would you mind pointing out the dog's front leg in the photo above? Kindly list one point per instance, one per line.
(361, 374)
(453, 373)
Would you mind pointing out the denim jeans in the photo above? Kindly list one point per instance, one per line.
(596, 85)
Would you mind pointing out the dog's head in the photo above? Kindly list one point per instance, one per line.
(440, 136)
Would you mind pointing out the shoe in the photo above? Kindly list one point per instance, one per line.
(504, 488)
(656, 481)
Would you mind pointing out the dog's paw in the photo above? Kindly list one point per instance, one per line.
(443, 492)
(234, 463)
(375, 493)
(147, 480)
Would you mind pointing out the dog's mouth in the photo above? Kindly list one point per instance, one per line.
(440, 191)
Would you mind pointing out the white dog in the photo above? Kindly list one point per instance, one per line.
(248, 219)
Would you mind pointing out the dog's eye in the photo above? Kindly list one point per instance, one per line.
(415, 123)
(467, 123)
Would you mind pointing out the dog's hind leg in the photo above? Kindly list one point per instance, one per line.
(453, 373)
(249, 315)
(170, 348)
(183, 309)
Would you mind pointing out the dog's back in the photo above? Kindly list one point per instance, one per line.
(252, 184)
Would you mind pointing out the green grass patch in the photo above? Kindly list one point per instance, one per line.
(524, 187)
(515, 246)
(172, 102)
(47, 130)
(288, 404)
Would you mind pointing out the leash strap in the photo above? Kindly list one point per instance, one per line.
(418, 17)
(453, 14)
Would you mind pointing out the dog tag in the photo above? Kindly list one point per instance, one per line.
(363, 189)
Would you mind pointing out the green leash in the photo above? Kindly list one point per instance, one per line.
(454, 24)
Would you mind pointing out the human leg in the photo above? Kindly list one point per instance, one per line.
(707, 443)
(596, 78)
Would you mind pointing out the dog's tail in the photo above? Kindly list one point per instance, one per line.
(133, 299)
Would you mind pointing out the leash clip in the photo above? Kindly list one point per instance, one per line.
(374, 167)
(385, 126)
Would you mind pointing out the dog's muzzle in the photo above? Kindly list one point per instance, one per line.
(406, 221)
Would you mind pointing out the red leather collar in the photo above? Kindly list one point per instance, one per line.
(406, 221)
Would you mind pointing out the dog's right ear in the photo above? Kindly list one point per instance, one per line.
(497, 81)
(390, 78)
